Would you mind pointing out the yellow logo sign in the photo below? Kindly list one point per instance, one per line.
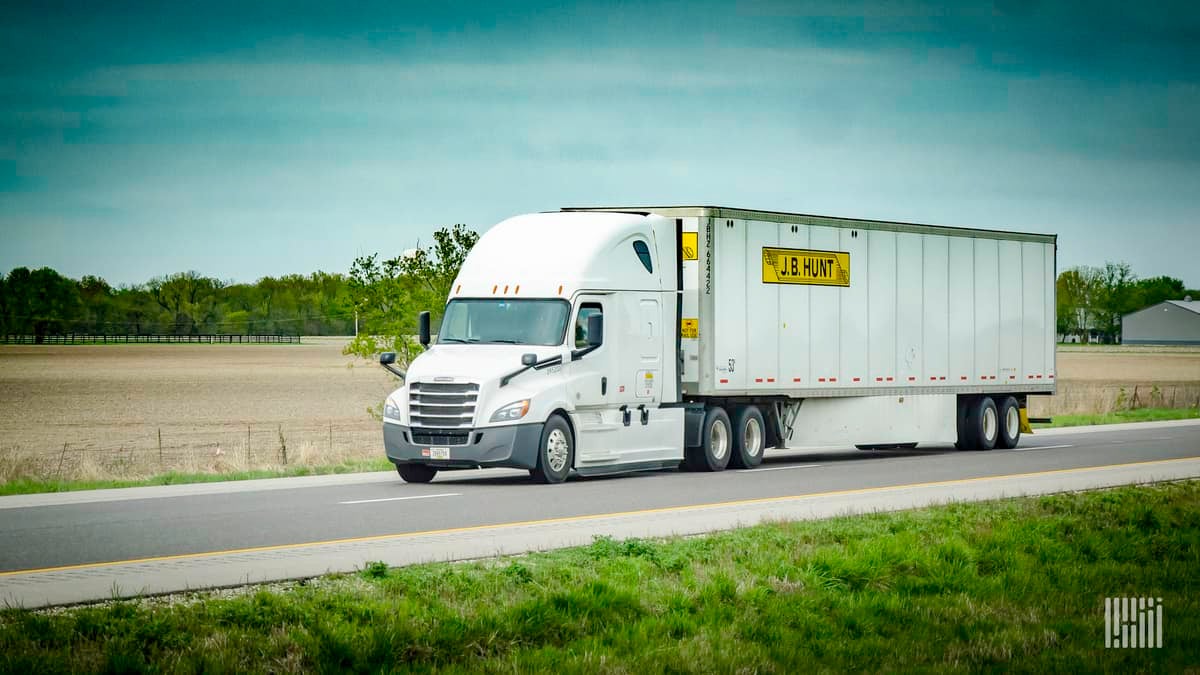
(799, 266)
(689, 249)
(689, 328)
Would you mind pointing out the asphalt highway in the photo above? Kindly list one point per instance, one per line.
(73, 547)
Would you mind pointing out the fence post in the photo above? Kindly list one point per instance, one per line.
(283, 445)
(60, 460)
(160, 447)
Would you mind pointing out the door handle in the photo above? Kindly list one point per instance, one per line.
(645, 415)
(604, 386)
(625, 414)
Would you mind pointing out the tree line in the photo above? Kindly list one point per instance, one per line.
(387, 294)
(1092, 300)
(43, 302)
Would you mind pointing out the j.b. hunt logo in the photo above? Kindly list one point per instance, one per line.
(1133, 622)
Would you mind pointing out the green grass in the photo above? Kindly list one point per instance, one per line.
(1016, 584)
(23, 486)
(1119, 416)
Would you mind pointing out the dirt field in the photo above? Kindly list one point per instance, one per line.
(1103, 379)
(107, 404)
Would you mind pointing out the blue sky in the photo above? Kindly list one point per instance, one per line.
(144, 139)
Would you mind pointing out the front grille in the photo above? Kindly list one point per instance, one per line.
(442, 406)
(440, 437)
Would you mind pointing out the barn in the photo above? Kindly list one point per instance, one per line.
(1173, 322)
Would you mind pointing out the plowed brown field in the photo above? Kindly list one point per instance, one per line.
(106, 405)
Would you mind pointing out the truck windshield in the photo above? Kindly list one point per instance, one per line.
(518, 322)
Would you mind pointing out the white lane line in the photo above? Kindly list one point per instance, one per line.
(1045, 447)
(779, 468)
(397, 499)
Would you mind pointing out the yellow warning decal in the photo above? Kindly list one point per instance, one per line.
(801, 266)
(689, 328)
(689, 246)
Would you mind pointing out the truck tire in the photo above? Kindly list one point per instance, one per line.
(961, 413)
(1010, 423)
(556, 452)
(983, 423)
(749, 438)
(416, 473)
(716, 443)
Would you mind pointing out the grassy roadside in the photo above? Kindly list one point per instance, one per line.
(986, 586)
(1119, 416)
(22, 486)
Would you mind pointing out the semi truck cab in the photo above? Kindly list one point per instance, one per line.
(556, 353)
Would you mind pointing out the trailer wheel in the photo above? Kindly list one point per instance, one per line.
(983, 424)
(556, 452)
(961, 414)
(416, 473)
(716, 443)
(1010, 424)
(750, 438)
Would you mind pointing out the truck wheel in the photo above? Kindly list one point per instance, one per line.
(416, 473)
(716, 443)
(983, 423)
(750, 438)
(1010, 424)
(556, 452)
(961, 414)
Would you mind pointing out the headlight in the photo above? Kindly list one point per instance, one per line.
(513, 411)
(391, 410)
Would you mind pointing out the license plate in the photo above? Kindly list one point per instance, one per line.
(439, 453)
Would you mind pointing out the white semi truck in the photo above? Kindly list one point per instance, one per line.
(601, 340)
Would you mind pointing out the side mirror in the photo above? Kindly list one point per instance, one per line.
(528, 360)
(387, 358)
(595, 335)
(423, 328)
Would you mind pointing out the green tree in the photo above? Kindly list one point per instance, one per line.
(1117, 296)
(189, 298)
(97, 298)
(40, 302)
(1076, 290)
(389, 294)
(1157, 289)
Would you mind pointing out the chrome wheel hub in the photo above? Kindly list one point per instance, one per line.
(718, 439)
(752, 438)
(557, 450)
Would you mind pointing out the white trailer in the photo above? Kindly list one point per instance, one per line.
(595, 340)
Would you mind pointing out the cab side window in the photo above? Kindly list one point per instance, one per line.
(643, 254)
(586, 310)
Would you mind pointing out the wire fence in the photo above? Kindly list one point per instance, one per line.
(90, 338)
(151, 450)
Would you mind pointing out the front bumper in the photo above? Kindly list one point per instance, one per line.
(513, 446)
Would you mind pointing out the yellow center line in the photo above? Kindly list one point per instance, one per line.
(583, 518)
